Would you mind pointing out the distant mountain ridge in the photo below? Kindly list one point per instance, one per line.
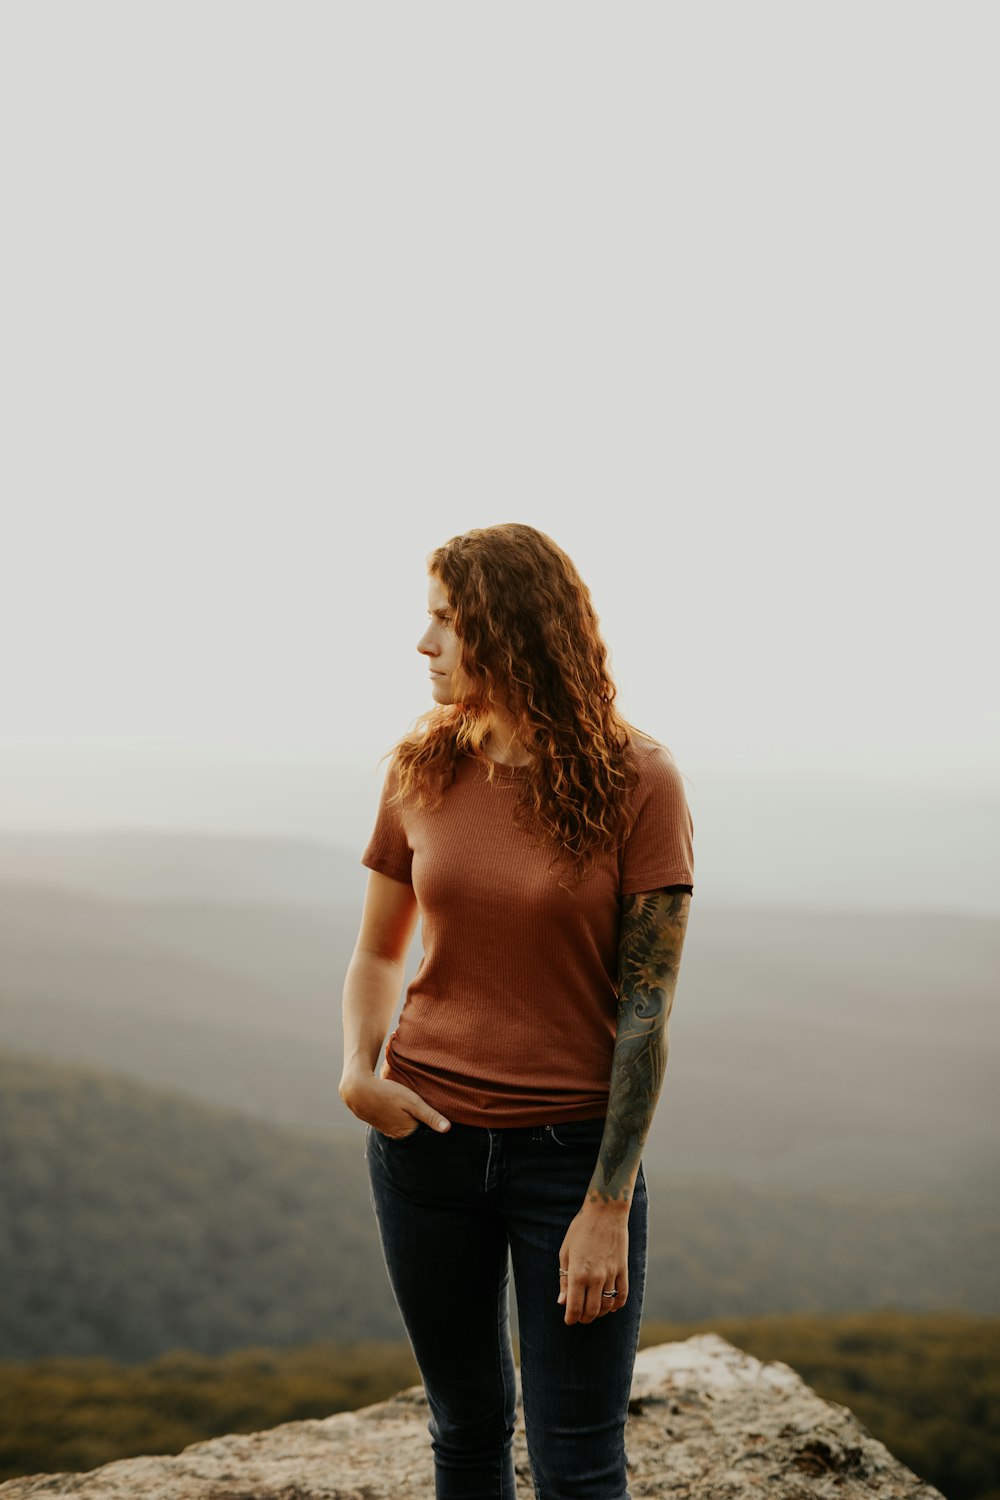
(181, 864)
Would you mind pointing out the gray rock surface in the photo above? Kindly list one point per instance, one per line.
(708, 1421)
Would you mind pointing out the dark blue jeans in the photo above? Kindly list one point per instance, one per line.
(450, 1210)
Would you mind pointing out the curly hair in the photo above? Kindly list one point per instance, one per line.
(532, 648)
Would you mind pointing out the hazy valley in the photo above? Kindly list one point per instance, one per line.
(179, 1170)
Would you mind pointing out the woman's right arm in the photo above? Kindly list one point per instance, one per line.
(371, 990)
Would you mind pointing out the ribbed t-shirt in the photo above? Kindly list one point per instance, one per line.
(512, 1015)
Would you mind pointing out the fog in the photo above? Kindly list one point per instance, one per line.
(706, 294)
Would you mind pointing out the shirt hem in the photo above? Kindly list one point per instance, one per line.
(592, 1106)
(635, 887)
(385, 867)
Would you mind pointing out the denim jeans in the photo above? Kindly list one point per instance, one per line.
(450, 1208)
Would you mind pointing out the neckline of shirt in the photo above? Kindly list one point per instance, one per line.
(501, 771)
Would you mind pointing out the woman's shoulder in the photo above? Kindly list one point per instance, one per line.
(658, 850)
(652, 762)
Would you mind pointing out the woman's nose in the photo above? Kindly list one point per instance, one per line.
(426, 646)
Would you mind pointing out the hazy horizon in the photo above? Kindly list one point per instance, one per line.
(803, 843)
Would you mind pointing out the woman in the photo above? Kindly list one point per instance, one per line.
(546, 846)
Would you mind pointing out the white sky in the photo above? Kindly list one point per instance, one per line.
(292, 293)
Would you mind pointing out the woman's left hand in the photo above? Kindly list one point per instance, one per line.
(594, 1256)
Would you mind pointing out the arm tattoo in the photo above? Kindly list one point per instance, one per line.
(653, 925)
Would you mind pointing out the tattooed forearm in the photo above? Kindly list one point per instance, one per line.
(653, 925)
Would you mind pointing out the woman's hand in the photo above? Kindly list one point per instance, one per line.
(392, 1108)
(594, 1255)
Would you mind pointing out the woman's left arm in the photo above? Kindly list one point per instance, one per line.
(595, 1250)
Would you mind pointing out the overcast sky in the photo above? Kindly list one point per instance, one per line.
(293, 292)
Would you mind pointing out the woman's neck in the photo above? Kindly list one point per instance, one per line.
(503, 746)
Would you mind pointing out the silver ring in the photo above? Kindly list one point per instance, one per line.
(562, 1272)
(610, 1294)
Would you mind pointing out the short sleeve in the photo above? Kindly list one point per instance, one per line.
(388, 850)
(659, 850)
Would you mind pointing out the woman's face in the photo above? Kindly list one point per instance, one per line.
(442, 648)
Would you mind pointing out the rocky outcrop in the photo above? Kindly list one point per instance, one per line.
(708, 1421)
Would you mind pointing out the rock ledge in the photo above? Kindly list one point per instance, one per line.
(707, 1420)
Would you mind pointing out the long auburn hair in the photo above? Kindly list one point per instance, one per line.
(532, 648)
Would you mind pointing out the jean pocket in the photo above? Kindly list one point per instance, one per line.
(402, 1140)
(578, 1134)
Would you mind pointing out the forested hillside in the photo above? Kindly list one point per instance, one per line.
(134, 1220)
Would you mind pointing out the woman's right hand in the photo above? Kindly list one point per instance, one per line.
(391, 1108)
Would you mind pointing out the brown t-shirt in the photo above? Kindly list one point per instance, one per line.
(511, 1017)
